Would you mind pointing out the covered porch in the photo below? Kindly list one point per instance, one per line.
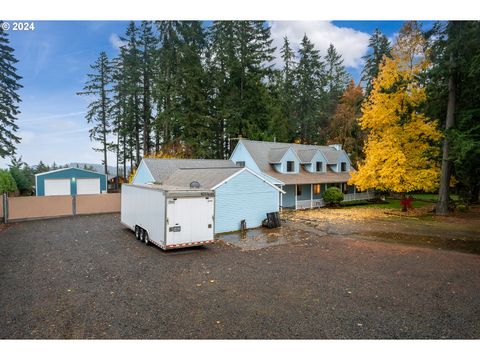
(310, 196)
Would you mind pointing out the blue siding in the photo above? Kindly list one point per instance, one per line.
(312, 167)
(241, 154)
(343, 158)
(243, 197)
(290, 156)
(71, 174)
(305, 192)
(143, 175)
(289, 196)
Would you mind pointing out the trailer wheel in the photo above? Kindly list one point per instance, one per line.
(146, 239)
(137, 232)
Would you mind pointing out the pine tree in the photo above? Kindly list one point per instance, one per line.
(336, 79)
(242, 52)
(99, 110)
(132, 63)
(454, 93)
(148, 44)
(195, 120)
(379, 48)
(166, 83)
(401, 152)
(9, 86)
(41, 167)
(310, 79)
(288, 85)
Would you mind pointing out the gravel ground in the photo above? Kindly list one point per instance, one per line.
(87, 277)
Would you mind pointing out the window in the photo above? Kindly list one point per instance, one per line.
(299, 190)
(316, 189)
(290, 166)
(319, 166)
(240, 163)
(343, 166)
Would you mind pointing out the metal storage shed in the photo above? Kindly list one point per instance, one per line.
(70, 181)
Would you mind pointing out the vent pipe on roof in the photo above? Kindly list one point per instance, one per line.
(194, 185)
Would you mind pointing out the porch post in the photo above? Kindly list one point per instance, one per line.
(295, 189)
(311, 196)
(281, 197)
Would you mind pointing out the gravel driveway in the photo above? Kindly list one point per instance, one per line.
(87, 277)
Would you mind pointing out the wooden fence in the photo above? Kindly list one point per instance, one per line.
(40, 207)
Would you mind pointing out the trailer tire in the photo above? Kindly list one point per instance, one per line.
(146, 239)
(137, 232)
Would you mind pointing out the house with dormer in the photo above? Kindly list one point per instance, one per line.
(303, 172)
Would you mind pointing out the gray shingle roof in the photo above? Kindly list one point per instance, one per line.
(162, 169)
(307, 155)
(207, 177)
(276, 155)
(261, 150)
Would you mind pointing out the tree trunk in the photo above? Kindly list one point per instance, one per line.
(443, 192)
(124, 156)
(404, 201)
(117, 160)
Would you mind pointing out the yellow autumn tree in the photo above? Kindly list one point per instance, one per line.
(401, 151)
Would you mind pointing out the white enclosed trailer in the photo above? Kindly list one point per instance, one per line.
(168, 217)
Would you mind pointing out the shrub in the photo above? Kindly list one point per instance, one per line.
(7, 183)
(22, 180)
(333, 196)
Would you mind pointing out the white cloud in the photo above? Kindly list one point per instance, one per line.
(350, 43)
(116, 42)
(42, 119)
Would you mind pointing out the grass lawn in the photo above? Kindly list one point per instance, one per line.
(420, 200)
(431, 197)
(390, 204)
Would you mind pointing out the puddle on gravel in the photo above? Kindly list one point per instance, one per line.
(261, 238)
(469, 245)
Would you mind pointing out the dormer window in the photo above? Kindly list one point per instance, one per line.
(343, 166)
(290, 166)
(319, 166)
(240, 163)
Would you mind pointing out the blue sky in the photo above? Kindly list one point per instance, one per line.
(55, 57)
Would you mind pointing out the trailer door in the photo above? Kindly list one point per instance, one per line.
(189, 220)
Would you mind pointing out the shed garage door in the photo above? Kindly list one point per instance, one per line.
(88, 186)
(57, 187)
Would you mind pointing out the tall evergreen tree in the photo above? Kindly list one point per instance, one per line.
(288, 85)
(9, 86)
(311, 81)
(336, 79)
(98, 85)
(379, 47)
(148, 47)
(132, 59)
(454, 93)
(242, 51)
(196, 122)
(120, 112)
(167, 83)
